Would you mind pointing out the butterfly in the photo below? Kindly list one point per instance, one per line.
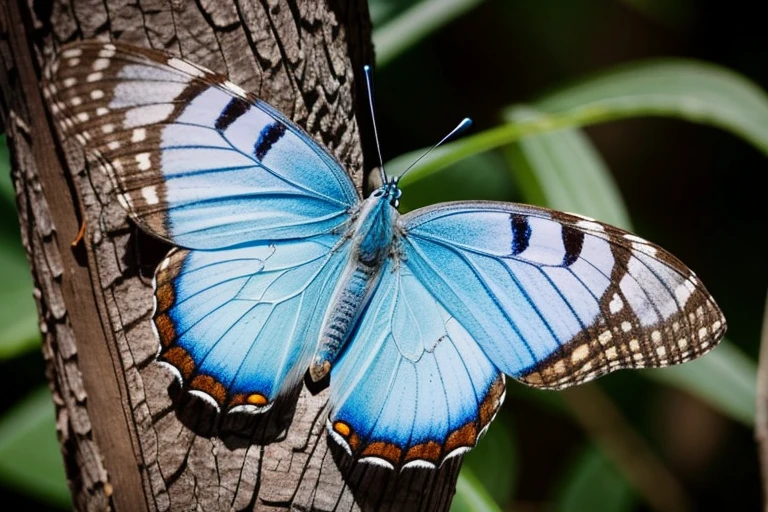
(281, 267)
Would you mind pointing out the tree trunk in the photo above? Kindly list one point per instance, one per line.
(130, 439)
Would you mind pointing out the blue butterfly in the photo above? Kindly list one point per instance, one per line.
(281, 267)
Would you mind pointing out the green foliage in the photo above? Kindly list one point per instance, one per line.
(30, 459)
(593, 483)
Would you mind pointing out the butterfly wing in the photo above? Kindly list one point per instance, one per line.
(195, 159)
(234, 323)
(555, 299)
(412, 387)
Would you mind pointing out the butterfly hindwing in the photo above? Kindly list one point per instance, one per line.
(195, 159)
(556, 299)
(235, 323)
(412, 388)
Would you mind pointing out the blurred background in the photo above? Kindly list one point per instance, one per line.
(662, 128)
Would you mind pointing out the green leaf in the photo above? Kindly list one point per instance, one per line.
(494, 462)
(19, 331)
(471, 496)
(725, 379)
(564, 171)
(30, 457)
(413, 25)
(689, 90)
(594, 484)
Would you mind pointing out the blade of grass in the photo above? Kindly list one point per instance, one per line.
(688, 90)
(471, 496)
(413, 25)
(30, 458)
(564, 171)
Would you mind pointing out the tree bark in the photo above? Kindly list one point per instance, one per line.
(130, 439)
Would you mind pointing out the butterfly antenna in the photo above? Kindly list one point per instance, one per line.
(369, 86)
(463, 125)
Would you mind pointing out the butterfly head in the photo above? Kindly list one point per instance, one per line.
(389, 192)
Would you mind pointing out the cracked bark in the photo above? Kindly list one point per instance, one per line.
(130, 439)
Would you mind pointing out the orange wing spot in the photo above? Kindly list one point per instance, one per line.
(209, 385)
(181, 359)
(429, 451)
(165, 297)
(342, 428)
(465, 436)
(386, 451)
(257, 399)
(238, 399)
(165, 329)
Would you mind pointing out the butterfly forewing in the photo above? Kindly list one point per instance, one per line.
(557, 299)
(195, 159)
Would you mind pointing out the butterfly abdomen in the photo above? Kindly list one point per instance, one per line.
(349, 300)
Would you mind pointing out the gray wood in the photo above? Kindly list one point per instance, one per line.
(131, 439)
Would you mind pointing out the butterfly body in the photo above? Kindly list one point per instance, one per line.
(372, 237)
(280, 268)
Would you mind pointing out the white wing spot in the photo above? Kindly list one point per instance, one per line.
(656, 337)
(107, 53)
(113, 145)
(101, 111)
(591, 225)
(616, 304)
(143, 162)
(138, 135)
(94, 77)
(661, 351)
(235, 89)
(580, 353)
(82, 117)
(683, 291)
(702, 333)
(700, 312)
(626, 326)
(149, 194)
(82, 140)
(638, 357)
(100, 64)
(108, 128)
(682, 343)
(147, 114)
(634, 346)
(186, 67)
(644, 248)
(611, 353)
(716, 325)
(633, 238)
(605, 337)
(69, 82)
(560, 367)
(73, 62)
(72, 52)
(76, 101)
(97, 94)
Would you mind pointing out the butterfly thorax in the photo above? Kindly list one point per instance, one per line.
(372, 235)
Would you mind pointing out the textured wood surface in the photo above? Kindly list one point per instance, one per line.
(131, 439)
